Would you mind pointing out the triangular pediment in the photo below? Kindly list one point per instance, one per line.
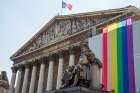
(63, 26)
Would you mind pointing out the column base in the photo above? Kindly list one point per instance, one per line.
(78, 90)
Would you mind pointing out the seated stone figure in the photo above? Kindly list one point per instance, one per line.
(73, 76)
(94, 68)
(83, 74)
(68, 77)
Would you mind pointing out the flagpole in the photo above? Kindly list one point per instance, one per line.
(61, 11)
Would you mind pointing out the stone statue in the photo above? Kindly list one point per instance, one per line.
(4, 84)
(68, 77)
(82, 73)
(3, 76)
(92, 67)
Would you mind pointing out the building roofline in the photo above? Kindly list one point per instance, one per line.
(86, 14)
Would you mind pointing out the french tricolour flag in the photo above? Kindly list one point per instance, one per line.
(66, 5)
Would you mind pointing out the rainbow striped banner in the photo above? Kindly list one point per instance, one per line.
(118, 58)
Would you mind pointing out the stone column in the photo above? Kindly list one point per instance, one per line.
(50, 75)
(95, 71)
(26, 78)
(72, 57)
(95, 78)
(60, 71)
(13, 79)
(33, 78)
(41, 77)
(19, 80)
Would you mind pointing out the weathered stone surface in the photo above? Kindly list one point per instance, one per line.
(65, 28)
(4, 84)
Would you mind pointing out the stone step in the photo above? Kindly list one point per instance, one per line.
(78, 90)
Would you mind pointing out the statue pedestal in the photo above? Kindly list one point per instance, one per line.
(77, 90)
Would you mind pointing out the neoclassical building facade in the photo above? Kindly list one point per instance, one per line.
(39, 64)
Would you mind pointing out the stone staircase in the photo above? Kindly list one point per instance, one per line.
(78, 90)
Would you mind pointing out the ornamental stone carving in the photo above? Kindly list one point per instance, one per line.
(61, 29)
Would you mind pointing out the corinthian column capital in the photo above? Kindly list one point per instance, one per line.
(14, 69)
(72, 50)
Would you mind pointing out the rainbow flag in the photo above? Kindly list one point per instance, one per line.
(118, 58)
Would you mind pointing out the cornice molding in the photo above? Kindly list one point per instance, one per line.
(59, 18)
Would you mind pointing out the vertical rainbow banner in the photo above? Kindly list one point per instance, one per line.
(104, 57)
(118, 58)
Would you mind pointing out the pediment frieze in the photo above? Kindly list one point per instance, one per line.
(61, 28)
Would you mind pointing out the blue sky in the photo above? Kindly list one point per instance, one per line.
(21, 19)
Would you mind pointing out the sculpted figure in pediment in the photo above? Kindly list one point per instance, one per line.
(61, 29)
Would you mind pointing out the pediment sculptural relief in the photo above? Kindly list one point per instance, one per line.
(61, 29)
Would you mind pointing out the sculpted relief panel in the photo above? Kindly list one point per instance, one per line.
(61, 29)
